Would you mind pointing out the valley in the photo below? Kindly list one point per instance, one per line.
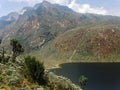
(61, 41)
(55, 32)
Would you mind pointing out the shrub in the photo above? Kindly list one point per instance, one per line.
(1, 79)
(17, 48)
(13, 80)
(35, 69)
(0, 58)
(83, 81)
(60, 83)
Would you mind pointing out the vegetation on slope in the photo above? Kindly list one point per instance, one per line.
(28, 74)
(100, 42)
(82, 44)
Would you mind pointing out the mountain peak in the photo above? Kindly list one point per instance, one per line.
(11, 16)
(45, 5)
(45, 2)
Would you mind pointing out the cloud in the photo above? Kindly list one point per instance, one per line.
(29, 2)
(33, 2)
(61, 2)
(86, 8)
(81, 8)
(115, 13)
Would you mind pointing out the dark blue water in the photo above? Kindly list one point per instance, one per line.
(101, 76)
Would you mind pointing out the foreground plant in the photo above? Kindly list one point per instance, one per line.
(83, 81)
(36, 70)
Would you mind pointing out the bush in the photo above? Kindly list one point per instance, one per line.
(1, 79)
(83, 81)
(13, 80)
(17, 48)
(60, 83)
(0, 58)
(35, 69)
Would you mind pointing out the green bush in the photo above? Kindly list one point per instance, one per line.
(1, 79)
(13, 80)
(60, 83)
(17, 48)
(35, 69)
(0, 58)
(83, 81)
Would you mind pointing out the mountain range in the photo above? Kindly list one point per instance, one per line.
(55, 32)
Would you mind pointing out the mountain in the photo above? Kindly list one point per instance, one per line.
(6, 20)
(55, 32)
(100, 42)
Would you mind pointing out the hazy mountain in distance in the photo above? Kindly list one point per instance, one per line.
(6, 20)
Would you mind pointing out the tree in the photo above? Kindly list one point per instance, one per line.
(83, 81)
(0, 40)
(2, 55)
(36, 70)
(16, 48)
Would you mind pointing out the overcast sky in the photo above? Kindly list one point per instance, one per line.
(104, 7)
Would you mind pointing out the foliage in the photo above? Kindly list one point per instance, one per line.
(13, 75)
(3, 57)
(16, 47)
(13, 81)
(36, 70)
(60, 83)
(83, 81)
(0, 58)
(0, 41)
(1, 79)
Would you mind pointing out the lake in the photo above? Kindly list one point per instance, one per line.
(101, 76)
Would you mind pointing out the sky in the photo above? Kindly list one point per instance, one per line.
(104, 7)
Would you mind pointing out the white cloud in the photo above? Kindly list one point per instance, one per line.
(61, 2)
(16, 0)
(29, 2)
(81, 8)
(115, 13)
(86, 8)
(33, 2)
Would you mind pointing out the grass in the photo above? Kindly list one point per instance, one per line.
(53, 62)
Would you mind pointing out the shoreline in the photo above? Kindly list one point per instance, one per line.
(57, 65)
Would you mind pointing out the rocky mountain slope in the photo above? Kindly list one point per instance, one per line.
(51, 31)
